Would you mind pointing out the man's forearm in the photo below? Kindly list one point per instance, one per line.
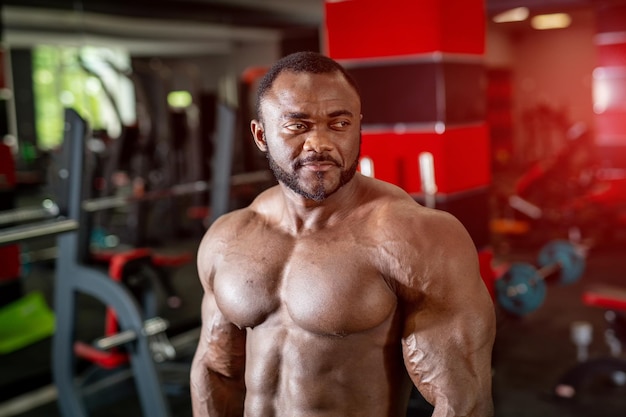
(481, 407)
(214, 395)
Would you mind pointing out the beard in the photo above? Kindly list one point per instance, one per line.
(319, 191)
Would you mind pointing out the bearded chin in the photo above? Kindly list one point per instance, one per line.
(319, 191)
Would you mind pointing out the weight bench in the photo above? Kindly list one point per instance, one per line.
(141, 271)
(612, 299)
(160, 264)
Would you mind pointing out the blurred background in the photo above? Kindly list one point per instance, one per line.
(510, 114)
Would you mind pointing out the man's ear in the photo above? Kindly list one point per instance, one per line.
(258, 134)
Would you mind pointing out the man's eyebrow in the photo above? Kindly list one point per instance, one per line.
(338, 113)
(295, 115)
(302, 115)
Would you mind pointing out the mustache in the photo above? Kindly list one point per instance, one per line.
(315, 158)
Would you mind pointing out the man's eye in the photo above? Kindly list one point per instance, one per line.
(296, 127)
(341, 124)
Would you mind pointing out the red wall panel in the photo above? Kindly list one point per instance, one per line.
(461, 157)
(611, 55)
(364, 29)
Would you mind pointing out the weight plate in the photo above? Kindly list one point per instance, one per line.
(521, 290)
(565, 254)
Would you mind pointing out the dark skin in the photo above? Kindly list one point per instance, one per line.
(335, 305)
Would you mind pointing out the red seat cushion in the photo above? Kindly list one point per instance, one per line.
(605, 296)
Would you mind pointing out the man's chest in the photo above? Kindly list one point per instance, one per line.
(321, 286)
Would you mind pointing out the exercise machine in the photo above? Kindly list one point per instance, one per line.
(74, 277)
(138, 332)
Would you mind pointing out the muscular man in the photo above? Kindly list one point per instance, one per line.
(332, 291)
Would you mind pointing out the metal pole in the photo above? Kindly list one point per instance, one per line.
(223, 160)
(31, 231)
(48, 209)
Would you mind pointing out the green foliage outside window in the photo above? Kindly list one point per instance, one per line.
(60, 82)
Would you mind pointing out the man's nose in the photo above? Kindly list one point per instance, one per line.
(318, 141)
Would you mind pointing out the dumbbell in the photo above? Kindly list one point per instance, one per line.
(102, 352)
(522, 288)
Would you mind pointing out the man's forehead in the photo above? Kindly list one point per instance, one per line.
(293, 79)
(298, 88)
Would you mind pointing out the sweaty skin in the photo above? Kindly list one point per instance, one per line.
(335, 306)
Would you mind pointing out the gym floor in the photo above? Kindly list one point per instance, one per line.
(530, 354)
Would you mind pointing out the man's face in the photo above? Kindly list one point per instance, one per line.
(311, 132)
(319, 190)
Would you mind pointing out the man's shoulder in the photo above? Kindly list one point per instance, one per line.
(242, 218)
(393, 209)
(391, 203)
(233, 220)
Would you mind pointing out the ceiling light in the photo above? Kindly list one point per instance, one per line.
(514, 15)
(551, 21)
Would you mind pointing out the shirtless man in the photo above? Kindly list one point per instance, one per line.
(332, 291)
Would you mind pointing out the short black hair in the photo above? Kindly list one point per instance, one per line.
(306, 61)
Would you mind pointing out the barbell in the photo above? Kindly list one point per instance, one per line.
(31, 231)
(522, 289)
(47, 209)
(104, 203)
(154, 329)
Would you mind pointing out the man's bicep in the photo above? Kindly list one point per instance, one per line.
(217, 372)
(221, 347)
(448, 356)
(448, 337)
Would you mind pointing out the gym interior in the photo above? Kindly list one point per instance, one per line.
(510, 114)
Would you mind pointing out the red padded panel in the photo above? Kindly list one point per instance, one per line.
(613, 298)
(461, 157)
(374, 28)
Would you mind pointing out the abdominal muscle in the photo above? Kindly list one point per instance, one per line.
(291, 372)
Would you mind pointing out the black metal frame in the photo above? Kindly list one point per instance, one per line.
(74, 277)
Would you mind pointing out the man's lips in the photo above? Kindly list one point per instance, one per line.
(318, 166)
(319, 163)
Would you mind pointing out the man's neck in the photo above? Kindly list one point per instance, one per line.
(302, 215)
